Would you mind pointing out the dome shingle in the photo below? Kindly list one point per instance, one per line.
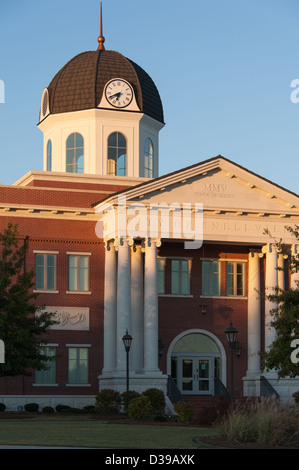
(79, 85)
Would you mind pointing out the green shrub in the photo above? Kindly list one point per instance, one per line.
(140, 407)
(89, 409)
(48, 409)
(265, 421)
(132, 395)
(157, 399)
(31, 407)
(184, 411)
(2, 407)
(62, 408)
(108, 401)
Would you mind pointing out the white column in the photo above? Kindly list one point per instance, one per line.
(254, 314)
(295, 275)
(151, 306)
(137, 320)
(271, 284)
(110, 307)
(123, 299)
(281, 272)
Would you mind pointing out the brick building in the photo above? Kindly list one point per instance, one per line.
(173, 259)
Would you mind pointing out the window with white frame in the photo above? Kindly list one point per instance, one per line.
(235, 278)
(210, 278)
(77, 365)
(148, 158)
(180, 276)
(78, 273)
(75, 153)
(45, 271)
(47, 376)
(117, 154)
(161, 275)
(49, 156)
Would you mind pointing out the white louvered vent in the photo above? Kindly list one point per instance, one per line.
(45, 109)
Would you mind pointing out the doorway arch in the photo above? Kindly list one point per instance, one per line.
(193, 359)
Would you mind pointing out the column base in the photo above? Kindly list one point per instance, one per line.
(251, 384)
(137, 382)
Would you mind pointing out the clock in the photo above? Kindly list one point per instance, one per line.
(119, 93)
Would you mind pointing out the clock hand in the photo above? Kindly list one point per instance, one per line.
(115, 95)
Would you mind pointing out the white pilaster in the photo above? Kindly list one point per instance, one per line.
(281, 272)
(110, 307)
(137, 320)
(254, 314)
(123, 299)
(151, 306)
(271, 285)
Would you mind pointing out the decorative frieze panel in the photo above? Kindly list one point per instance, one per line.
(70, 318)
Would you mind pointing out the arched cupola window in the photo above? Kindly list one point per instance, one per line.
(148, 159)
(117, 154)
(75, 154)
(49, 155)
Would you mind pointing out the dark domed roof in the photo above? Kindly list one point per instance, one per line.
(80, 83)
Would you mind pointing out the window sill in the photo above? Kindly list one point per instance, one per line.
(240, 297)
(78, 385)
(183, 296)
(44, 385)
(78, 292)
(40, 291)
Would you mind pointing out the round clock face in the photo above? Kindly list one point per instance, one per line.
(119, 93)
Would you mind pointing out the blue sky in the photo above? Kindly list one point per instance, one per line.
(223, 69)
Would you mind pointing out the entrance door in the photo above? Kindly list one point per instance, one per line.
(195, 375)
(195, 361)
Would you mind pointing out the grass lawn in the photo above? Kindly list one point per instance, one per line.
(81, 431)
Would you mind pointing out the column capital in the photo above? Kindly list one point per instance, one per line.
(151, 242)
(109, 244)
(255, 254)
(136, 247)
(121, 241)
(270, 248)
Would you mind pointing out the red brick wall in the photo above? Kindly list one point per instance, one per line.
(64, 236)
(177, 315)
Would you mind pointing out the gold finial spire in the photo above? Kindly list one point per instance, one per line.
(101, 38)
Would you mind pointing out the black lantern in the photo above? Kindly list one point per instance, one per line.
(127, 340)
(231, 335)
(238, 349)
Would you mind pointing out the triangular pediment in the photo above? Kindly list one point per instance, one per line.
(238, 205)
(219, 185)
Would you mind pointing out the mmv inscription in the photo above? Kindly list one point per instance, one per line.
(216, 190)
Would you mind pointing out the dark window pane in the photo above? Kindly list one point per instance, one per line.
(121, 141)
(70, 144)
(79, 141)
(112, 141)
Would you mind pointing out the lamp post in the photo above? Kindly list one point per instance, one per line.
(127, 340)
(231, 336)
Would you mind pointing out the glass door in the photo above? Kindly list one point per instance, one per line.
(195, 375)
(187, 382)
(204, 382)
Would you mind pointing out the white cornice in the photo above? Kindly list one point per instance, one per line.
(77, 178)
